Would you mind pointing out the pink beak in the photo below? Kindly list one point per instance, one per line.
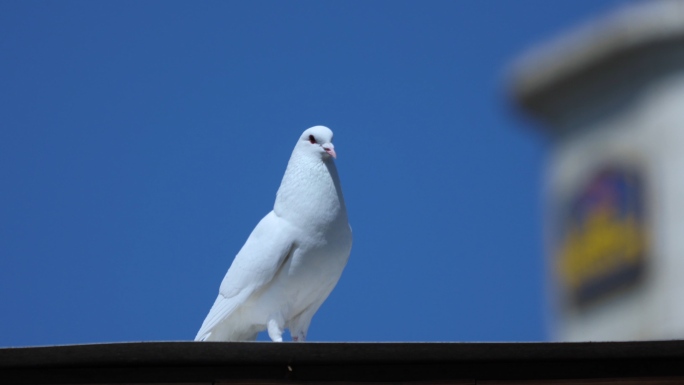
(330, 149)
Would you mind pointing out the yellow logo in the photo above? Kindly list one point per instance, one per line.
(604, 242)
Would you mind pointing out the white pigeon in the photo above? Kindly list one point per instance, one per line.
(293, 258)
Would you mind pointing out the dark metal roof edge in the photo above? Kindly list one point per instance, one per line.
(207, 362)
(221, 353)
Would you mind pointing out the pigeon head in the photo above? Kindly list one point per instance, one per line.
(318, 140)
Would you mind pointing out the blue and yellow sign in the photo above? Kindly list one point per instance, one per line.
(603, 243)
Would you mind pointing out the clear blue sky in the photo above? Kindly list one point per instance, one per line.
(140, 142)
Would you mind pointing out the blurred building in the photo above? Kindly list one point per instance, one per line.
(610, 96)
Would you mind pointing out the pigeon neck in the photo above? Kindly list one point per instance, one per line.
(310, 193)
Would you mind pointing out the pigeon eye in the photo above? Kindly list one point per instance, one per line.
(312, 139)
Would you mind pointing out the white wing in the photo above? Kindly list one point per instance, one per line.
(266, 249)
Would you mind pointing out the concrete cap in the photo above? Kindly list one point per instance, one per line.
(623, 31)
